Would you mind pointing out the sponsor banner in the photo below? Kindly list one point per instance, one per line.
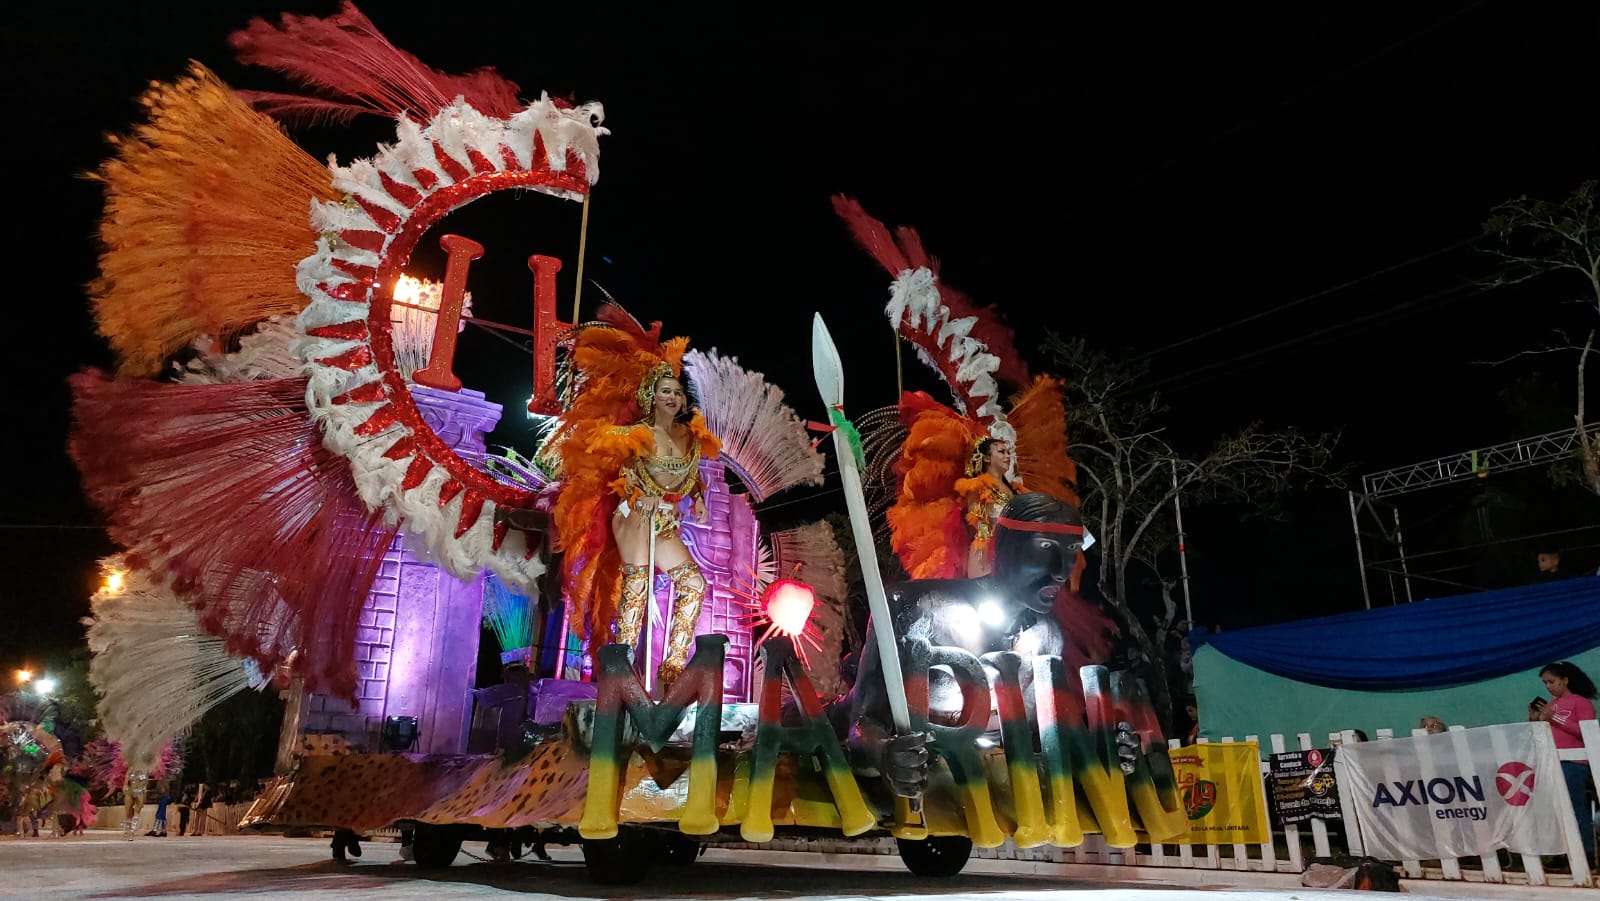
(1304, 786)
(1220, 785)
(1466, 793)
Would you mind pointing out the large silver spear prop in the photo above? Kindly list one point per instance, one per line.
(829, 373)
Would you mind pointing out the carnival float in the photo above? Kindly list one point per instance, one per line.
(305, 498)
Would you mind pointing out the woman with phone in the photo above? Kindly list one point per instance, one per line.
(1572, 695)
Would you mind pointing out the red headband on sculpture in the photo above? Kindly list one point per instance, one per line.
(1023, 526)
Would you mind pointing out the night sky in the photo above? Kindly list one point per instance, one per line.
(1138, 178)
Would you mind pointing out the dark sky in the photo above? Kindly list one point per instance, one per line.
(1136, 177)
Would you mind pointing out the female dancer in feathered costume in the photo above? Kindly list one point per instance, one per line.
(955, 476)
(630, 450)
(957, 468)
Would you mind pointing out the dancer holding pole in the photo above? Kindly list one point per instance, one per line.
(630, 449)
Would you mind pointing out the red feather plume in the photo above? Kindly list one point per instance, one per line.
(353, 68)
(903, 250)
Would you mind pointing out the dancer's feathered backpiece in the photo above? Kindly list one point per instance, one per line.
(105, 765)
(969, 346)
(603, 428)
(1039, 417)
(762, 438)
(926, 524)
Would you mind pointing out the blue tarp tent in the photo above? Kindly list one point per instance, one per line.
(1472, 660)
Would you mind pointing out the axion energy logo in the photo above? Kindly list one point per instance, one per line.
(1515, 783)
(1457, 798)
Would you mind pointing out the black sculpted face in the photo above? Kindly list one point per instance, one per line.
(1034, 563)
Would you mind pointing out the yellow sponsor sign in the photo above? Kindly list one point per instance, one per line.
(1220, 785)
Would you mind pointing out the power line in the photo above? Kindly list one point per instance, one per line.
(1306, 299)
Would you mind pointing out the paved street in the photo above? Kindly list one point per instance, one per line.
(102, 865)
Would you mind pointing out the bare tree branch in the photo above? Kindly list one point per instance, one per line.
(1126, 466)
(1541, 237)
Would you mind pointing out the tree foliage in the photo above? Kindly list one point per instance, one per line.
(1559, 242)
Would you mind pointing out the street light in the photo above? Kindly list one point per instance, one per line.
(44, 686)
(24, 676)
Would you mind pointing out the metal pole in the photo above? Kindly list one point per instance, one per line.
(1400, 543)
(899, 371)
(1361, 563)
(1183, 548)
(583, 245)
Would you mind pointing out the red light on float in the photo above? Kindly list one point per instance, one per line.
(785, 609)
(789, 604)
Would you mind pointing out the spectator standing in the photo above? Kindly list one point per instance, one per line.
(185, 803)
(1572, 695)
(160, 830)
(1549, 562)
(202, 810)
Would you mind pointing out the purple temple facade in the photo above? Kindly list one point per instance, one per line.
(726, 547)
(417, 647)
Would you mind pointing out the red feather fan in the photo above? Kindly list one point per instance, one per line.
(354, 69)
(228, 490)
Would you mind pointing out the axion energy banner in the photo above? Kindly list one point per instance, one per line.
(1458, 794)
(1220, 785)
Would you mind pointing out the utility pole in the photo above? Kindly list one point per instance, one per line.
(1183, 548)
(1361, 562)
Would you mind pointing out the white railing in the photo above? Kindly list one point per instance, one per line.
(1298, 844)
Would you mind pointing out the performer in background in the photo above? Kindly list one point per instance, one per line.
(986, 489)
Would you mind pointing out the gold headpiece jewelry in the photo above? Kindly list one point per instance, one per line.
(647, 387)
(977, 463)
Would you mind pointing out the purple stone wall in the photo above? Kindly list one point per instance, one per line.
(725, 548)
(417, 647)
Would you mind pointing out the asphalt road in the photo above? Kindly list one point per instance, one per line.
(103, 865)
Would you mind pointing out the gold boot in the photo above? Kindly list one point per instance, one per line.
(689, 589)
(632, 606)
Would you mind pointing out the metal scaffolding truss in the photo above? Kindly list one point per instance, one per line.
(1523, 453)
(1512, 455)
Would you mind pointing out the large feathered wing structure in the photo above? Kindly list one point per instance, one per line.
(155, 669)
(347, 59)
(226, 493)
(927, 531)
(762, 438)
(205, 220)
